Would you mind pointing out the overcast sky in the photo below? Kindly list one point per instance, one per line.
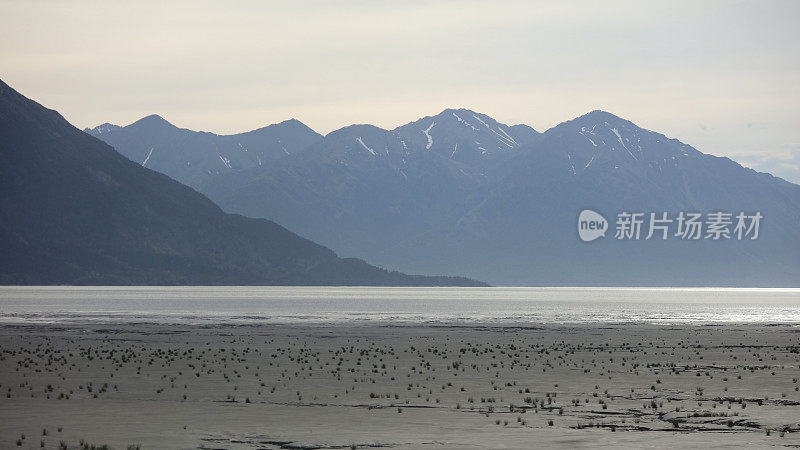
(723, 77)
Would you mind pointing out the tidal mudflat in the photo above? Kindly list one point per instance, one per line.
(336, 386)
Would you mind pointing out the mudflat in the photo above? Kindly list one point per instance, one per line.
(412, 386)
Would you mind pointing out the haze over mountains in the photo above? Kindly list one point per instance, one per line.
(193, 157)
(74, 211)
(460, 193)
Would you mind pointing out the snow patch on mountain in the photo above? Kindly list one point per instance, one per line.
(149, 154)
(366, 147)
(283, 147)
(619, 138)
(464, 122)
(500, 137)
(508, 136)
(427, 133)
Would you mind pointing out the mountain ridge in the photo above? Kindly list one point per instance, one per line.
(406, 199)
(193, 157)
(74, 211)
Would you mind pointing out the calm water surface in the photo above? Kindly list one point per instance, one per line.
(208, 305)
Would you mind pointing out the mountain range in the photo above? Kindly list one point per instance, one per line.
(461, 193)
(193, 157)
(75, 211)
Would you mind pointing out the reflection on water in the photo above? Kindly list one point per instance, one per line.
(209, 305)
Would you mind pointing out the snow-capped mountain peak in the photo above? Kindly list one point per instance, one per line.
(465, 135)
(102, 129)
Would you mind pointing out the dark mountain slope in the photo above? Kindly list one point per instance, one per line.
(74, 211)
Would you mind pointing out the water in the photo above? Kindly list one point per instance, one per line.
(320, 305)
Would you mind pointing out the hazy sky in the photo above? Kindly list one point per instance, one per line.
(723, 77)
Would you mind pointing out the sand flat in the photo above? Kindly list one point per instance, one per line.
(280, 386)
